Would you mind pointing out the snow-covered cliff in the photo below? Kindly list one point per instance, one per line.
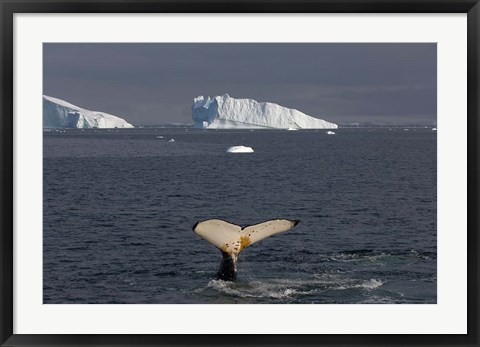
(225, 112)
(61, 114)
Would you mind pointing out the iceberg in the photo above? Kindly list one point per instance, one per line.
(58, 113)
(240, 149)
(225, 112)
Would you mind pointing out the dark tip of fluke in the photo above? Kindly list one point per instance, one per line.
(195, 225)
(296, 222)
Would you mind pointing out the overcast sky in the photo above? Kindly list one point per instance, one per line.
(155, 83)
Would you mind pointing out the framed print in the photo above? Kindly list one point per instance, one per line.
(273, 173)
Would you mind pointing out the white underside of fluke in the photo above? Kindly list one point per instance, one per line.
(232, 239)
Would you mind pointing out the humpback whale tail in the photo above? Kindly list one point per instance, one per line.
(231, 239)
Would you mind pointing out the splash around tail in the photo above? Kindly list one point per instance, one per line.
(231, 239)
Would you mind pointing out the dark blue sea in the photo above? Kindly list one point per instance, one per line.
(119, 206)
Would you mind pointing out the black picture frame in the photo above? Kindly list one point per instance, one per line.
(10, 7)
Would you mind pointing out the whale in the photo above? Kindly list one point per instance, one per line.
(231, 239)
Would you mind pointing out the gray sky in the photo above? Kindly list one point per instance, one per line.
(154, 83)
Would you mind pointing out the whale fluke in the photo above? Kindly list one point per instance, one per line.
(231, 239)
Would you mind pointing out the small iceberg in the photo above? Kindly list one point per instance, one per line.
(171, 140)
(240, 149)
(434, 129)
(159, 137)
(330, 132)
(291, 129)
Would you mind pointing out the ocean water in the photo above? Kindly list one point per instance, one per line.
(119, 206)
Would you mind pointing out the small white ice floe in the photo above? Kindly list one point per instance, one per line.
(159, 137)
(171, 140)
(330, 132)
(434, 129)
(292, 129)
(240, 149)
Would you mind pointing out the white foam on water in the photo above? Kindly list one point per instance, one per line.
(289, 288)
(371, 284)
(353, 257)
(255, 289)
(338, 282)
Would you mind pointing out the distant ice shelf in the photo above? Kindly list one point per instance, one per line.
(225, 112)
(58, 113)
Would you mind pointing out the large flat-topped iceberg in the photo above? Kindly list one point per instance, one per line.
(61, 114)
(225, 112)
